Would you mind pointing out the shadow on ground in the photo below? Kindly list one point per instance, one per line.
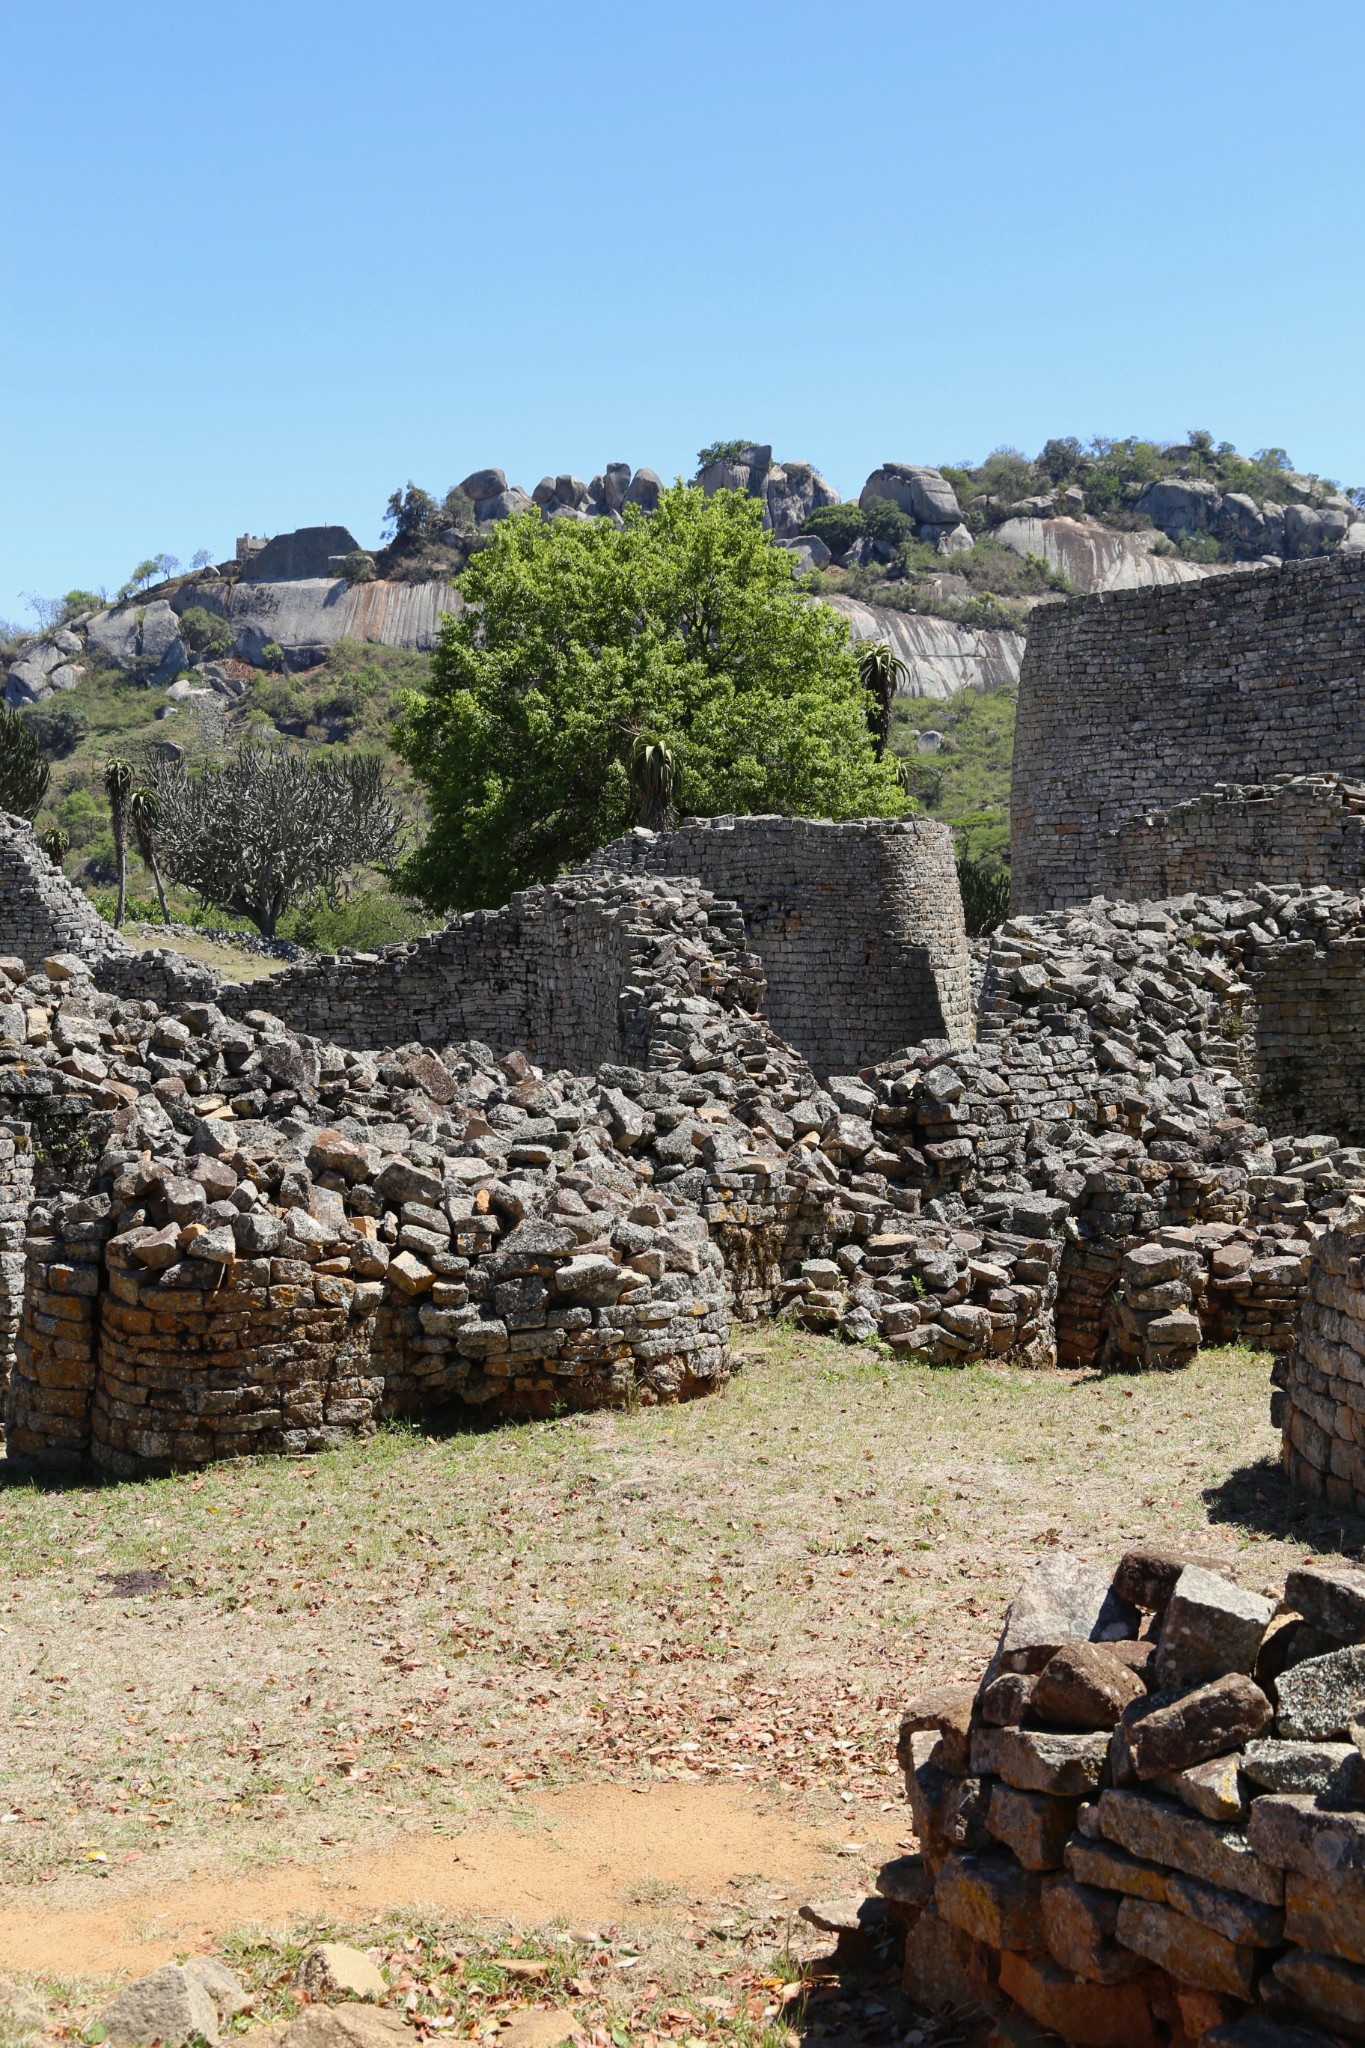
(1258, 1497)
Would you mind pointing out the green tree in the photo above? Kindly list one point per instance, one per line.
(266, 830)
(684, 631)
(881, 673)
(205, 632)
(56, 844)
(23, 771)
(118, 785)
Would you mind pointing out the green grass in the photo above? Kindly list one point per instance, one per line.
(350, 701)
(967, 784)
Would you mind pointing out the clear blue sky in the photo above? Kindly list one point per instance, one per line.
(263, 262)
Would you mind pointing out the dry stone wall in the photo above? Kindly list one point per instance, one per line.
(1304, 828)
(557, 972)
(1137, 701)
(1319, 1403)
(859, 927)
(1146, 1823)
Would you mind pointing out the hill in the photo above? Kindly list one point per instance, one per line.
(310, 638)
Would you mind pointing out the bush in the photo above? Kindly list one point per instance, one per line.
(23, 771)
(838, 526)
(376, 918)
(204, 632)
(985, 896)
(886, 522)
(358, 567)
(58, 726)
(272, 656)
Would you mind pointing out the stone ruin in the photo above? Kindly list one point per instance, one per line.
(1156, 726)
(542, 1156)
(1146, 1823)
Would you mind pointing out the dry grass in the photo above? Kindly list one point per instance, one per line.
(417, 1628)
(234, 963)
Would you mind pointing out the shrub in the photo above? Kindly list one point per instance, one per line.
(272, 656)
(886, 522)
(23, 771)
(375, 918)
(58, 726)
(204, 632)
(985, 896)
(358, 567)
(838, 526)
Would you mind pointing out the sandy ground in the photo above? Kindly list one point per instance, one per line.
(588, 1855)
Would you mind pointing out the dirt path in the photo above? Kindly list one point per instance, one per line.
(594, 1853)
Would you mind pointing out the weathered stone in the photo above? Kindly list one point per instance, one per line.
(1333, 1770)
(1236, 1918)
(1326, 1913)
(1291, 1831)
(1213, 1789)
(1004, 1703)
(947, 1708)
(1331, 1990)
(1159, 1832)
(1187, 1951)
(1035, 1826)
(350, 2025)
(992, 1899)
(1109, 1868)
(1095, 2015)
(1084, 1686)
(335, 1970)
(1062, 1598)
(1040, 1759)
(1322, 1697)
(1331, 1597)
(906, 1881)
(1210, 1627)
(946, 1968)
(1146, 1577)
(169, 2007)
(1079, 1922)
(1204, 1723)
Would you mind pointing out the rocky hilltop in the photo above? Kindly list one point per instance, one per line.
(944, 564)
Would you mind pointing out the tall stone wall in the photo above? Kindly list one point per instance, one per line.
(1135, 701)
(40, 912)
(554, 972)
(1306, 828)
(859, 927)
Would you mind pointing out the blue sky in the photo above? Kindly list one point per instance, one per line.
(262, 263)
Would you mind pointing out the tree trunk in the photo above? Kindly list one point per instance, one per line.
(155, 867)
(121, 862)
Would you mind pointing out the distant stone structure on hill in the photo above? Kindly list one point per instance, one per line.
(1153, 723)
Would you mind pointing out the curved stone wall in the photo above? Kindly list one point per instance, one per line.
(1308, 829)
(1137, 700)
(859, 927)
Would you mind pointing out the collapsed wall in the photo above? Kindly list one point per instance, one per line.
(1138, 701)
(1146, 1823)
(859, 927)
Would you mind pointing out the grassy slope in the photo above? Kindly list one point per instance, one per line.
(350, 701)
(966, 784)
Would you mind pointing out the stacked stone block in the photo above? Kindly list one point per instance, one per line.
(1301, 828)
(1147, 1820)
(1134, 702)
(859, 927)
(1319, 1403)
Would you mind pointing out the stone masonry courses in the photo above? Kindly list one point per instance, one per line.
(1139, 702)
(1145, 1823)
(581, 1146)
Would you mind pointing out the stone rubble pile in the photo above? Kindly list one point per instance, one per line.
(1147, 1820)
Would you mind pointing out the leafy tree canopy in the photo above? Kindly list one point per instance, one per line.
(683, 631)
